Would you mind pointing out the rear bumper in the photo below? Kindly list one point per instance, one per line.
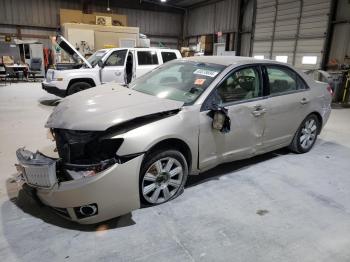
(53, 90)
(114, 192)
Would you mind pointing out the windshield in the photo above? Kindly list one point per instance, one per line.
(97, 56)
(183, 81)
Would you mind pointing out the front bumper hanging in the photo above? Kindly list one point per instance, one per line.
(110, 193)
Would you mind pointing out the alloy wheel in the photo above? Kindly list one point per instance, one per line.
(308, 134)
(162, 180)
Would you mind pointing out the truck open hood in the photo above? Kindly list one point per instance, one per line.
(101, 107)
(69, 48)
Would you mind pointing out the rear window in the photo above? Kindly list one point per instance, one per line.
(284, 80)
(281, 80)
(147, 58)
(168, 56)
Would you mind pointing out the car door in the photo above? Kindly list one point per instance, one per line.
(114, 66)
(130, 67)
(241, 93)
(287, 105)
(146, 61)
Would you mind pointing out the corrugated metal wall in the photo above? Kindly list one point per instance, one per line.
(163, 29)
(45, 13)
(155, 23)
(340, 47)
(218, 17)
(291, 28)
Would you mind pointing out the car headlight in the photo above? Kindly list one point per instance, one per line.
(55, 78)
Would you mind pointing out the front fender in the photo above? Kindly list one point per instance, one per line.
(183, 126)
(91, 73)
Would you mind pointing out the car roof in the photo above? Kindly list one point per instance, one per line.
(231, 60)
(139, 48)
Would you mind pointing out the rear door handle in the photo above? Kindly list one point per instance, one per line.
(258, 111)
(304, 101)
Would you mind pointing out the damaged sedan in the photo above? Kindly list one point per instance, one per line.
(119, 148)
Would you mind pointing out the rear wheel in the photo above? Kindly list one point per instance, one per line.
(77, 87)
(306, 135)
(163, 176)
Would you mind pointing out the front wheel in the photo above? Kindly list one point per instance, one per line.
(162, 177)
(77, 87)
(306, 135)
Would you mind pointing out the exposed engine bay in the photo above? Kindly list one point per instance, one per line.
(86, 153)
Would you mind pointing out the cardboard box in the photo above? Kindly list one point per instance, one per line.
(100, 36)
(206, 43)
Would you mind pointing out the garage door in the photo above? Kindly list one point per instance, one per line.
(291, 31)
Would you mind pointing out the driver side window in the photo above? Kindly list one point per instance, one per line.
(240, 85)
(117, 58)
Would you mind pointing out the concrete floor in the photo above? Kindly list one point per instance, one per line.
(275, 207)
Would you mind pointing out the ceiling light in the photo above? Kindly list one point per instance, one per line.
(163, 1)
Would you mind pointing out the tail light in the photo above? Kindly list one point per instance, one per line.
(330, 90)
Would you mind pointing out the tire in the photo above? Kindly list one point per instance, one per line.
(77, 87)
(162, 177)
(306, 136)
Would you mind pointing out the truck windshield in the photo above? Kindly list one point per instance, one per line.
(97, 56)
(183, 81)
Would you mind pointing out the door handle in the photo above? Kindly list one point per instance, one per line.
(258, 110)
(117, 73)
(304, 101)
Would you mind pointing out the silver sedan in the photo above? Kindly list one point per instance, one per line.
(119, 148)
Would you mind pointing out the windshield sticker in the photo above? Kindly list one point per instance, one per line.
(204, 72)
(199, 81)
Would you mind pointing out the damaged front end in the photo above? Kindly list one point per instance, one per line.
(78, 185)
(88, 182)
(84, 153)
(81, 154)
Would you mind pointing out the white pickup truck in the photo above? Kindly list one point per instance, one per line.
(120, 65)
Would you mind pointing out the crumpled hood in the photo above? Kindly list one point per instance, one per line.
(101, 107)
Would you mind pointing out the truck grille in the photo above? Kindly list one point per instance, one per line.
(41, 176)
(37, 170)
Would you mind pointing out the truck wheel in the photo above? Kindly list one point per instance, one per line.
(77, 87)
(162, 177)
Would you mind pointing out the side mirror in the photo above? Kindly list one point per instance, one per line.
(100, 64)
(218, 120)
(221, 120)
